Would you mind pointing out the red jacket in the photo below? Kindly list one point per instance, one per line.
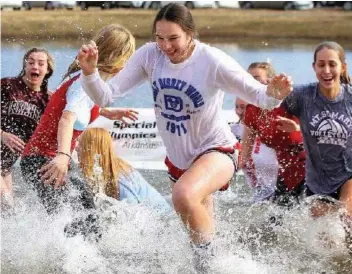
(288, 146)
(44, 139)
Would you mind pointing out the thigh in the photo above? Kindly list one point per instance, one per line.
(207, 174)
(8, 159)
(50, 197)
(346, 195)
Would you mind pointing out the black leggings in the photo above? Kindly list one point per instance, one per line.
(285, 197)
(50, 197)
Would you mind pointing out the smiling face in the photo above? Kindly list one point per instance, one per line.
(36, 67)
(328, 69)
(173, 41)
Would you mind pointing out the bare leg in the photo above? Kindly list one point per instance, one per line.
(346, 199)
(346, 196)
(6, 190)
(192, 194)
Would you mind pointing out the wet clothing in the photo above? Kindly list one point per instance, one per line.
(49, 196)
(134, 188)
(42, 146)
(327, 129)
(21, 109)
(261, 170)
(288, 146)
(188, 96)
(69, 96)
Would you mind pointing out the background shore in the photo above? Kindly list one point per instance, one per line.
(212, 24)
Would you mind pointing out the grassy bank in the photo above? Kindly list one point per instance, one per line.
(222, 24)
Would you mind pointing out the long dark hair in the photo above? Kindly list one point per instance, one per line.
(178, 14)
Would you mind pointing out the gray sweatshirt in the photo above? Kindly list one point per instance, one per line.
(326, 126)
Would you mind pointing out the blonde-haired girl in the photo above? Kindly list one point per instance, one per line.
(68, 113)
(118, 180)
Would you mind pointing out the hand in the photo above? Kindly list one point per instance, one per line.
(119, 114)
(14, 143)
(88, 58)
(279, 86)
(55, 171)
(287, 125)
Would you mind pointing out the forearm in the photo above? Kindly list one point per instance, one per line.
(247, 144)
(98, 91)
(65, 132)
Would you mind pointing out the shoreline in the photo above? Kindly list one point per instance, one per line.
(213, 25)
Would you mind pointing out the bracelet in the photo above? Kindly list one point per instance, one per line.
(68, 155)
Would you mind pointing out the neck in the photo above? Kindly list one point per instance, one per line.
(30, 85)
(330, 93)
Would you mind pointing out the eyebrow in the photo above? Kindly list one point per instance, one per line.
(39, 60)
(171, 36)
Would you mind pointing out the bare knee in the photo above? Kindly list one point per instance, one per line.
(183, 197)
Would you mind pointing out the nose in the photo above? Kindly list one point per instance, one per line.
(326, 69)
(35, 65)
(166, 45)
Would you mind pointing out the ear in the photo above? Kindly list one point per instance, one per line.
(313, 66)
(343, 68)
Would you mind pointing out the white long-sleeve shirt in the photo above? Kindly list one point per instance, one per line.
(188, 96)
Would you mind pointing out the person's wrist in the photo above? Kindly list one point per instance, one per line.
(64, 155)
(88, 72)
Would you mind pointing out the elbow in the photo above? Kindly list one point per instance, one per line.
(67, 119)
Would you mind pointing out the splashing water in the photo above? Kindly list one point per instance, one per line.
(137, 239)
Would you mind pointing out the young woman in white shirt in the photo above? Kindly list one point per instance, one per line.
(188, 79)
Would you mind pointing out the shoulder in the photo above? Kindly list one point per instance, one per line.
(211, 53)
(10, 81)
(348, 89)
(252, 110)
(250, 115)
(305, 90)
(149, 49)
(11, 86)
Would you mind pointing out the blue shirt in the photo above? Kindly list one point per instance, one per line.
(326, 126)
(136, 189)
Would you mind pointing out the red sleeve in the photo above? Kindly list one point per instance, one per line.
(249, 170)
(251, 116)
(94, 113)
(296, 136)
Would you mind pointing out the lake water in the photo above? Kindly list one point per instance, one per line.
(137, 240)
(293, 58)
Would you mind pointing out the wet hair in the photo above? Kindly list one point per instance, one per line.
(269, 69)
(116, 44)
(97, 141)
(50, 60)
(178, 14)
(345, 78)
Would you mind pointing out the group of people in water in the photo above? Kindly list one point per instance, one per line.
(306, 129)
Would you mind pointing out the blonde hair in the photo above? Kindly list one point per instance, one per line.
(97, 141)
(116, 44)
(269, 69)
(51, 64)
(345, 78)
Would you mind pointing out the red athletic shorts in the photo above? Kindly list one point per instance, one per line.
(175, 173)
